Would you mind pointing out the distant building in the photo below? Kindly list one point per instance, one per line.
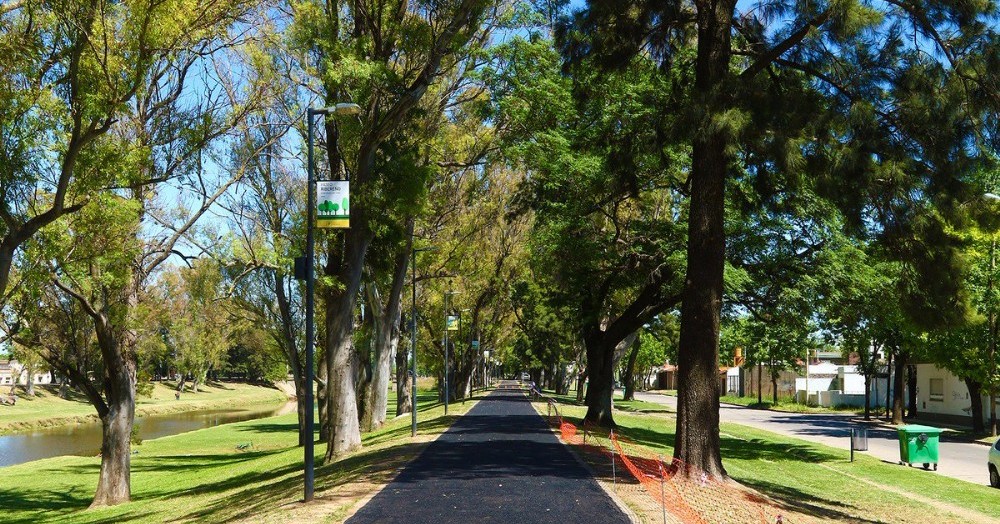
(943, 396)
(12, 370)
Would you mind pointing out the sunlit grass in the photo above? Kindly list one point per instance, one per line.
(817, 480)
(247, 470)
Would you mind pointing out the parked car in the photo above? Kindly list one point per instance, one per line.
(993, 463)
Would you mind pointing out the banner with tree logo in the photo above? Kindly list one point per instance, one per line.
(333, 204)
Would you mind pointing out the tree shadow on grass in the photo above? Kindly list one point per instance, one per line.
(291, 428)
(34, 503)
(33, 506)
(790, 499)
(784, 497)
(284, 485)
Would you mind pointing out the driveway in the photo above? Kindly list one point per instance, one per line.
(960, 460)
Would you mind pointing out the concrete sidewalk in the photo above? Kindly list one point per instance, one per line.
(498, 463)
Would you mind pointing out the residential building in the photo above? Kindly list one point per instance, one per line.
(943, 396)
(12, 370)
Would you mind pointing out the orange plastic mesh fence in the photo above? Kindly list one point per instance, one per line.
(686, 493)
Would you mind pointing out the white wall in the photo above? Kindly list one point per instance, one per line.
(16, 370)
(955, 401)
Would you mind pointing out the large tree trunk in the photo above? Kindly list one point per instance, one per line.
(911, 390)
(30, 382)
(774, 387)
(323, 396)
(602, 359)
(898, 400)
(760, 384)
(117, 415)
(600, 380)
(114, 483)
(697, 436)
(581, 381)
(868, 396)
(404, 402)
(375, 394)
(629, 375)
(345, 431)
(976, 395)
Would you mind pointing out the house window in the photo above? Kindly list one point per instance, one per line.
(937, 389)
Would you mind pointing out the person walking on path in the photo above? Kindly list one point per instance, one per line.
(498, 463)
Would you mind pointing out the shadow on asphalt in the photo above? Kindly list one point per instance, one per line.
(826, 426)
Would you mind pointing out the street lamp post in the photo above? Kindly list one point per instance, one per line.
(413, 340)
(447, 297)
(461, 337)
(346, 109)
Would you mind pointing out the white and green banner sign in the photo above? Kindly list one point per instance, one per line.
(452, 322)
(333, 204)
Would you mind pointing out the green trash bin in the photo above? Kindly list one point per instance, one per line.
(919, 444)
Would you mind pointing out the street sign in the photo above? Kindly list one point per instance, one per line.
(452, 322)
(333, 204)
(475, 345)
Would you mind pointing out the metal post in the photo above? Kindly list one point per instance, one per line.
(852, 444)
(413, 344)
(446, 297)
(310, 305)
(611, 446)
(461, 341)
(663, 499)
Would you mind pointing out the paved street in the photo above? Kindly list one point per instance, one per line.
(960, 460)
(498, 463)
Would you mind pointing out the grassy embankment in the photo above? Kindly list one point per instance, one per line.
(202, 476)
(46, 409)
(812, 481)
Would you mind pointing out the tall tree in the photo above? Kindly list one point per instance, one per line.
(163, 137)
(386, 58)
(872, 135)
(606, 190)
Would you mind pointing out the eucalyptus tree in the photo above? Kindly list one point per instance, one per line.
(68, 70)
(386, 57)
(882, 123)
(103, 255)
(265, 212)
(200, 324)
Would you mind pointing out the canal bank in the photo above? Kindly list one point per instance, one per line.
(47, 410)
(84, 440)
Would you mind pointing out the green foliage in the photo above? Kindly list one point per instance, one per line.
(200, 326)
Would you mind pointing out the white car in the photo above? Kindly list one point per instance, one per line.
(993, 463)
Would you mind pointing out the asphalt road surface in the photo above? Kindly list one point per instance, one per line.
(498, 463)
(960, 460)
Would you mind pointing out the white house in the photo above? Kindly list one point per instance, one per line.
(942, 395)
(11, 370)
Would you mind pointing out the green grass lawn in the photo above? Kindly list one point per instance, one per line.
(820, 481)
(203, 475)
(786, 404)
(47, 409)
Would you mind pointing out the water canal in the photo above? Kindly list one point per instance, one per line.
(85, 439)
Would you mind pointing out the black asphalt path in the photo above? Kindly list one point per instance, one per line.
(498, 463)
